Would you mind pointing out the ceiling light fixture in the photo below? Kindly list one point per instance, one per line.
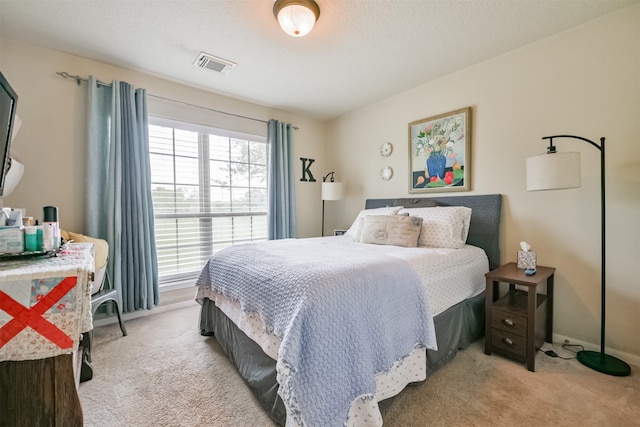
(296, 17)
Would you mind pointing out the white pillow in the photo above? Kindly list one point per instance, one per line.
(442, 226)
(397, 230)
(355, 231)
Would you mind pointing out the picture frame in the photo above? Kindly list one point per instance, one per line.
(440, 153)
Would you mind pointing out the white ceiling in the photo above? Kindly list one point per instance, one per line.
(359, 52)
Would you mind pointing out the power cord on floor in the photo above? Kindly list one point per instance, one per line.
(566, 346)
(569, 347)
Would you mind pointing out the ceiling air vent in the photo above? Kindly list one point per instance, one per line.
(214, 63)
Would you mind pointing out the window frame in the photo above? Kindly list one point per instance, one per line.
(184, 279)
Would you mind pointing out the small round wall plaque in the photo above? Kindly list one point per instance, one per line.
(386, 149)
(386, 173)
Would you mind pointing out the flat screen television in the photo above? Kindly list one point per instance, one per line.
(8, 101)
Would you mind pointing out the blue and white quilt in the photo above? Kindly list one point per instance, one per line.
(343, 316)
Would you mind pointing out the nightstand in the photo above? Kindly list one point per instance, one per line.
(518, 323)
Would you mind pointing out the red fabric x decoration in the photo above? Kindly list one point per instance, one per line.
(23, 316)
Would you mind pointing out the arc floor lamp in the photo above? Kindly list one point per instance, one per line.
(554, 171)
(331, 190)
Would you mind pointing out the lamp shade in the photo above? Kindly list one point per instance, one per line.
(296, 17)
(553, 171)
(331, 190)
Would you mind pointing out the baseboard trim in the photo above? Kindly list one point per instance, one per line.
(631, 359)
(143, 313)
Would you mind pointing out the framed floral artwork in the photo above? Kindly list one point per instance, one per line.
(440, 153)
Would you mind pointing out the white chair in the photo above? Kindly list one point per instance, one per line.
(104, 294)
(102, 291)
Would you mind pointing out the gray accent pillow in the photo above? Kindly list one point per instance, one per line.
(355, 231)
(397, 230)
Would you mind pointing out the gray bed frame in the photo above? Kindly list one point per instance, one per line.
(456, 327)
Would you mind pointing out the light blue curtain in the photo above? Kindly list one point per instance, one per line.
(119, 202)
(281, 213)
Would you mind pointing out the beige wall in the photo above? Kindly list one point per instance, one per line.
(51, 141)
(585, 81)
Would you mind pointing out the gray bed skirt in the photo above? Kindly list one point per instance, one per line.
(456, 328)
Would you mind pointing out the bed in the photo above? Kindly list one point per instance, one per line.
(259, 343)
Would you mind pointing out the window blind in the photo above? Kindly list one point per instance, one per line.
(209, 190)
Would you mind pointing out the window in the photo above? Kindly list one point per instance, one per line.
(209, 189)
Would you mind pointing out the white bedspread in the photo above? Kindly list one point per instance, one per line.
(448, 275)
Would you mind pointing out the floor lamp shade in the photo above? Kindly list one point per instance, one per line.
(331, 190)
(553, 171)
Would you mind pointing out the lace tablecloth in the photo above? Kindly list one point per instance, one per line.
(45, 303)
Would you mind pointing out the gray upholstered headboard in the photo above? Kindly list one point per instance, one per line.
(484, 230)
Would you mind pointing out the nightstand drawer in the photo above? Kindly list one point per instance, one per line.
(509, 322)
(512, 343)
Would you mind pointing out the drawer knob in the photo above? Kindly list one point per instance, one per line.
(507, 341)
(508, 322)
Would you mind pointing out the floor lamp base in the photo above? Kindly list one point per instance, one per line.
(604, 363)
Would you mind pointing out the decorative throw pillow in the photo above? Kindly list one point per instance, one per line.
(356, 228)
(443, 226)
(100, 246)
(397, 230)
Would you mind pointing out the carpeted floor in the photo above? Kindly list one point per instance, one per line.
(164, 373)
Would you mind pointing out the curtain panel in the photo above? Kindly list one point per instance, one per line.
(119, 205)
(281, 213)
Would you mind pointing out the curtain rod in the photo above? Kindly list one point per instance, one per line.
(80, 79)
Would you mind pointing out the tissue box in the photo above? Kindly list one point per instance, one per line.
(11, 240)
(526, 259)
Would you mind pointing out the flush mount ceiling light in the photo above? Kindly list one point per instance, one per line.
(296, 17)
